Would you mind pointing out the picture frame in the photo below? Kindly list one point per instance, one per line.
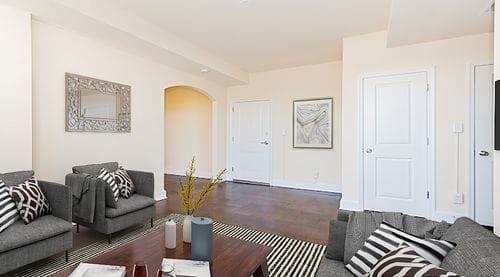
(94, 105)
(313, 123)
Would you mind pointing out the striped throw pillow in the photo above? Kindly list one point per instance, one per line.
(124, 182)
(404, 261)
(387, 238)
(8, 210)
(108, 178)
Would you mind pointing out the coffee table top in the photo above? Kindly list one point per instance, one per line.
(232, 257)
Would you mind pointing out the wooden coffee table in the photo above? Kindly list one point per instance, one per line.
(232, 257)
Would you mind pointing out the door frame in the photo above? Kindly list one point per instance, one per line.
(229, 175)
(471, 168)
(431, 153)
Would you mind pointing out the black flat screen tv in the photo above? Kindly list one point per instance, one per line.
(497, 115)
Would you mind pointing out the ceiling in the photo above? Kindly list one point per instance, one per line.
(428, 20)
(260, 35)
(232, 38)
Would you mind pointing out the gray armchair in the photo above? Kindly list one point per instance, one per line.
(22, 244)
(139, 207)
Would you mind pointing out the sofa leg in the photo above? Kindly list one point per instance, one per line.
(151, 222)
(78, 228)
(109, 238)
(66, 255)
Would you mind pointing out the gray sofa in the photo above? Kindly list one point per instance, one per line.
(477, 252)
(22, 244)
(139, 207)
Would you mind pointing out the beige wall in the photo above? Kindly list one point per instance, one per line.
(368, 54)
(496, 162)
(56, 51)
(188, 131)
(15, 90)
(296, 167)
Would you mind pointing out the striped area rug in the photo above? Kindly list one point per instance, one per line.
(289, 257)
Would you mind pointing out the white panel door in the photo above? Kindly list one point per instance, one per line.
(395, 143)
(483, 144)
(251, 141)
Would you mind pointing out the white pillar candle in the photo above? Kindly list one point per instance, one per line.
(170, 234)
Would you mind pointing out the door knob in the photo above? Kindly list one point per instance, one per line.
(264, 142)
(368, 150)
(484, 153)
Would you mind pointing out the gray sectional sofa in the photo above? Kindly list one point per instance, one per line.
(477, 252)
(22, 244)
(135, 210)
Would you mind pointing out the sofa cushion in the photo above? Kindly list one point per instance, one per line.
(18, 177)
(30, 200)
(362, 224)
(387, 238)
(93, 169)
(133, 203)
(423, 227)
(477, 252)
(336, 240)
(332, 268)
(20, 234)
(404, 261)
(8, 210)
(124, 182)
(113, 193)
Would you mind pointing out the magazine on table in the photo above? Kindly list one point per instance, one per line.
(98, 270)
(187, 268)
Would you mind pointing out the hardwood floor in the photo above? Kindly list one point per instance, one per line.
(298, 214)
(294, 213)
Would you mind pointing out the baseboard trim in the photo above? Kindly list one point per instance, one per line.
(326, 187)
(350, 205)
(160, 195)
(205, 175)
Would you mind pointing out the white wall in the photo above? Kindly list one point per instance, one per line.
(496, 162)
(15, 90)
(56, 51)
(188, 131)
(368, 54)
(296, 167)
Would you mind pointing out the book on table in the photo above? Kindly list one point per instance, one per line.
(98, 270)
(187, 268)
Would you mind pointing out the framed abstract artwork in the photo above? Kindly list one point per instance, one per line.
(312, 123)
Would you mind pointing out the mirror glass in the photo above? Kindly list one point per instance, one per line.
(96, 104)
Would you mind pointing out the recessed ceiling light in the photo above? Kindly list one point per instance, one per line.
(244, 1)
(205, 70)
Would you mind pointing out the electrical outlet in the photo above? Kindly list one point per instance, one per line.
(458, 198)
(458, 127)
(316, 175)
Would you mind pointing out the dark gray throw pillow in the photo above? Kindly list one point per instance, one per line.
(336, 240)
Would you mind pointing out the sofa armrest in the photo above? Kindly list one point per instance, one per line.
(144, 182)
(59, 197)
(336, 240)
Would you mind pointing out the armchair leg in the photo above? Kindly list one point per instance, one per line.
(151, 222)
(78, 228)
(109, 238)
(66, 255)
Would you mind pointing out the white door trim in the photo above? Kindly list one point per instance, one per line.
(470, 160)
(431, 153)
(229, 175)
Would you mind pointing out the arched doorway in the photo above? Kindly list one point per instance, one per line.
(188, 130)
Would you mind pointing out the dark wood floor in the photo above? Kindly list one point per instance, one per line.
(294, 213)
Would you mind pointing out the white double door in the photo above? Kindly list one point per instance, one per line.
(395, 143)
(483, 144)
(251, 141)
